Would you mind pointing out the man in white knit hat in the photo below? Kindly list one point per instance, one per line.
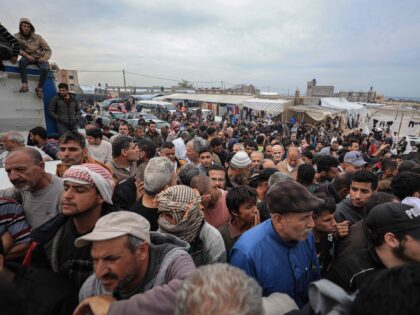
(239, 169)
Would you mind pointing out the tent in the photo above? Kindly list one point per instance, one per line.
(356, 114)
(311, 114)
(273, 107)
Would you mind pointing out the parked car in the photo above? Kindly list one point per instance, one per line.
(133, 115)
(105, 104)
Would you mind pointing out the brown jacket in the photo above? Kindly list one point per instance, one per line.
(282, 167)
(34, 45)
(121, 173)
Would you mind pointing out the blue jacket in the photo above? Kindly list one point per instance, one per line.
(276, 265)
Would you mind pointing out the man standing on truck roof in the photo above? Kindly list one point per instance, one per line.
(34, 50)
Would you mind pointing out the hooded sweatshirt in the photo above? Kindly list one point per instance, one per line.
(33, 44)
(169, 264)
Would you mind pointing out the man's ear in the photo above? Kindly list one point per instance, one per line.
(142, 252)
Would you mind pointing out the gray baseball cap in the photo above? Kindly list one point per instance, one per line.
(354, 158)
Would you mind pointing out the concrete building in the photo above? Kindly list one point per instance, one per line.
(314, 90)
(70, 77)
(365, 97)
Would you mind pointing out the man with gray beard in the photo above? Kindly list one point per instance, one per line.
(37, 191)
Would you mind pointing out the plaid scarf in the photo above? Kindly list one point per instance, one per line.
(183, 205)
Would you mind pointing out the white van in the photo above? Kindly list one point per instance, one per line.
(156, 106)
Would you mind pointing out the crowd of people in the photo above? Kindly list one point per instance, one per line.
(205, 217)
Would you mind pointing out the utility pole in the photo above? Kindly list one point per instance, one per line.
(125, 85)
(222, 85)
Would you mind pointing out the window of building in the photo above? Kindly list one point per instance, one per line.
(71, 77)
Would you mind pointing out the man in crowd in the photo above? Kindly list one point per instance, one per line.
(291, 164)
(394, 230)
(219, 289)
(153, 135)
(88, 190)
(280, 252)
(97, 148)
(363, 185)
(206, 160)
(180, 147)
(256, 159)
(65, 110)
(14, 140)
(353, 162)
(72, 152)
(241, 202)
(168, 151)
(139, 132)
(147, 151)
(34, 50)
(339, 188)
(173, 131)
(217, 174)
(122, 131)
(158, 175)
(194, 146)
(180, 215)
(144, 276)
(36, 190)
(327, 170)
(125, 155)
(38, 136)
(239, 169)
(277, 152)
(217, 148)
(213, 200)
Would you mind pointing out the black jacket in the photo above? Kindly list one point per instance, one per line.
(347, 211)
(355, 268)
(125, 194)
(63, 112)
(44, 292)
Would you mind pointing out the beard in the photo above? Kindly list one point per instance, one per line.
(400, 253)
(128, 279)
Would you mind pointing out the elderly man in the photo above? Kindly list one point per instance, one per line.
(277, 152)
(280, 252)
(158, 175)
(143, 270)
(88, 190)
(125, 155)
(291, 164)
(34, 50)
(239, 169)
(194, 146)
(256, 159)
(13, 140)
(36, 190)
(219, 289)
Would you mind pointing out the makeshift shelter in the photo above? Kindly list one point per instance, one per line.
(273, 107)
(401, 119)
(311, 114)
(356, 114)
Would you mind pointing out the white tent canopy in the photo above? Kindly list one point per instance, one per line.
(273, 107)
(357, 114)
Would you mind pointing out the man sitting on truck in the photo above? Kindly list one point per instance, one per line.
(34, 50)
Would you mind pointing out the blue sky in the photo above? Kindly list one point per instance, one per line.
(280, 44)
